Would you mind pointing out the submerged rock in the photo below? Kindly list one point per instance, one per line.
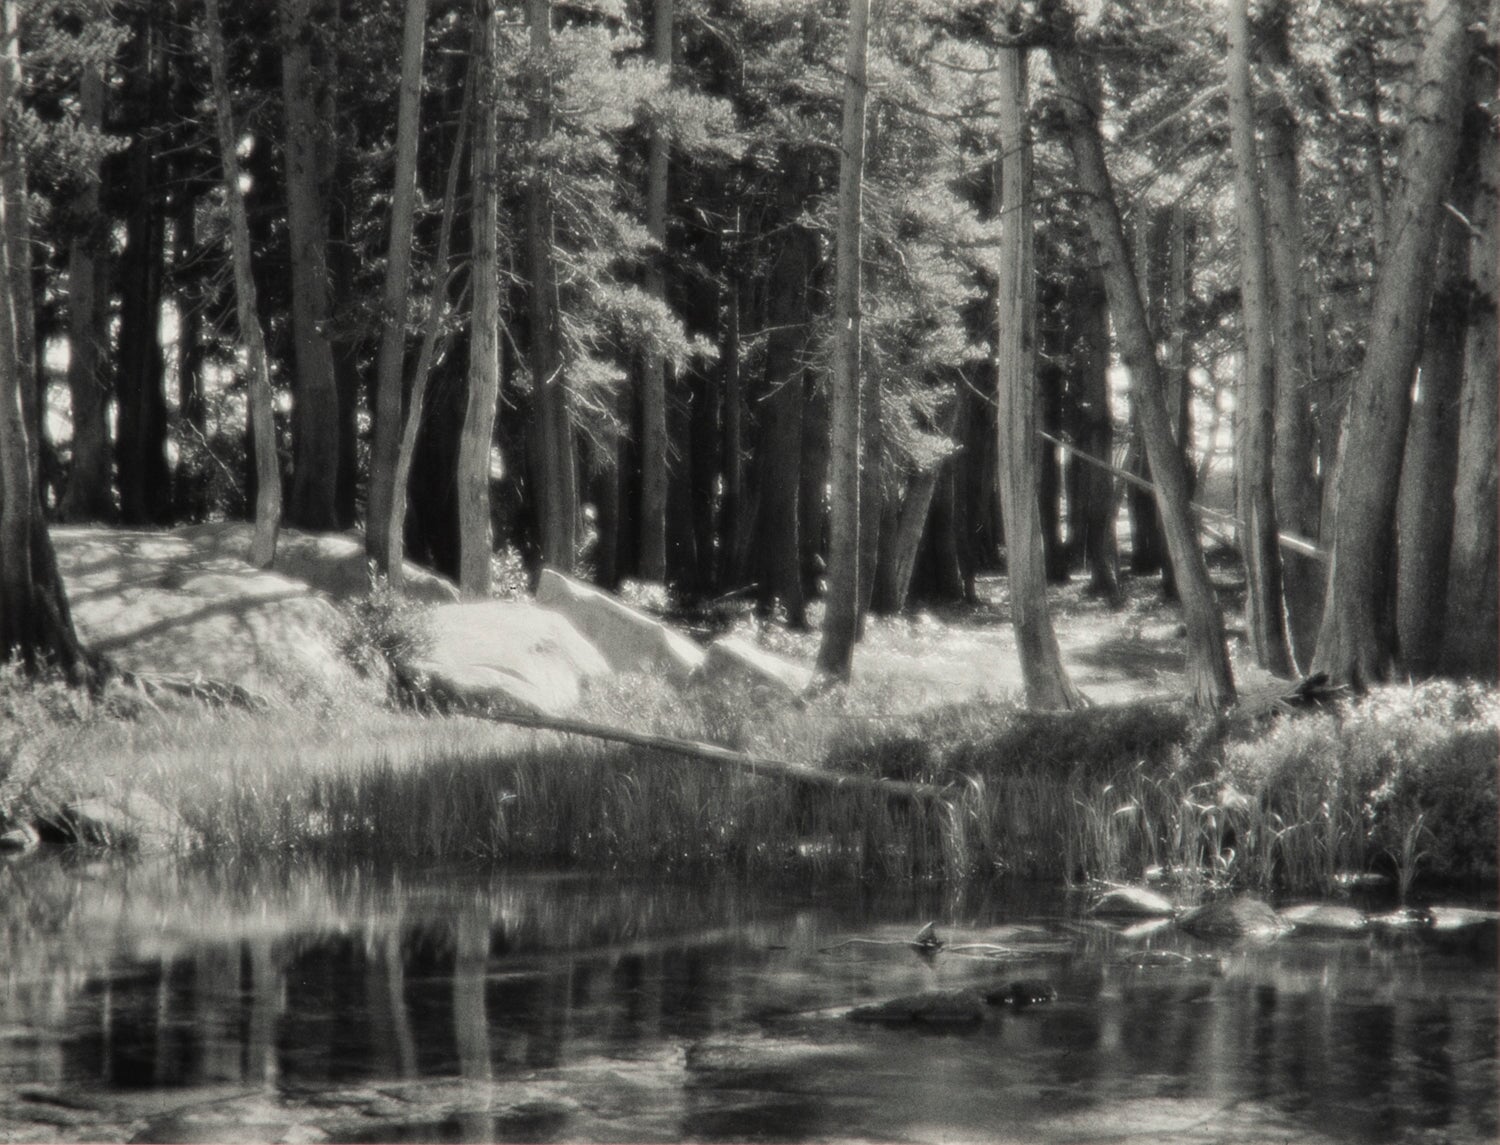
(1029, 992)
(934, 1008)
(1133, 902)
(1325, 916)
(1243, 916)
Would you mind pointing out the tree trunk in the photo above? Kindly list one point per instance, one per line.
(1264, 617)
(35, 624)
(1429, 466)
(841, 615)
(141, 425)
(268, 477)
(477, 437)
(89, 495)
(1208, 671)
(1047, 683)
(383, 542)
(1354, 641)
(1096, 437)
(654, 444)
(313, 502)
(1294, 475)
(555, 461)
(732, 508)
(1472, 628)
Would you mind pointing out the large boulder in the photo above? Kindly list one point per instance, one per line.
(735, 663)
(158, 604)
(508, 654)
(334, 563)
(630, 641)
(1243, 916)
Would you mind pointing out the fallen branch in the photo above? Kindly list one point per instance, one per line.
(712, 753)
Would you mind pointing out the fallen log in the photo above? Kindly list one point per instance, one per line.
(712, 753)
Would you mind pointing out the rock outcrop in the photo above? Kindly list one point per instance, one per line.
(629, 640)
(732, 662)
(507, 654)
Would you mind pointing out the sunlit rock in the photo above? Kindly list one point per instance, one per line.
(629, 640)
(1244, 916)
(1133, 902)
(735, 663)
(507, 654)
(132, 822)
(1328, 917)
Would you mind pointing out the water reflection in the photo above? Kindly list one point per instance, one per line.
(448, 1004)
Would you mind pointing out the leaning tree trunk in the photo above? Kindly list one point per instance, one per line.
(841, 616)
(475, 545)
(267, 471)
(1047, 683)
(654, 442)
(1209, 677)
(1294, 477)
(315, 402)
(1354, 642)
(1264, 617)
(1472, 629)
(382, 542)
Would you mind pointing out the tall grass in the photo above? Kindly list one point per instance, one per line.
(1402, 781)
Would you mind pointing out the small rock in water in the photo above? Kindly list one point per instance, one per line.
(1244, 916)
(1360, 879)
(1457, 917)
(1023, 993)
(1133, 902)
(926, 940)
(1326, 917)
(936, 1008)
(1403, 918)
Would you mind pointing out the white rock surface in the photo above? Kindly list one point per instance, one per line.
(511, 654)
(630, 641)
(734, 662)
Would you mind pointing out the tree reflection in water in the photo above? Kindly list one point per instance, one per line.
(577, 1007)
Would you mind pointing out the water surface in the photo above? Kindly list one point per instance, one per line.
(164, 1002)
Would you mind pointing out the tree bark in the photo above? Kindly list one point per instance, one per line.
(476, 440)
(268, 476)
(1264, 617)
(1354, 643)
(313, 502)
(36, 627)
(654, 446)
(840, 617)
(1295, 479)
(1209, 677)
(1096, 437)
(89, 495)
(383, 542)
(1471, 636)
(1047, 682)
(554, 462)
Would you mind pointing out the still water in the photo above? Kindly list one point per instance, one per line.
(163, 1002)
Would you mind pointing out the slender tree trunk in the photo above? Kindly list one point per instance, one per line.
(89, 495)
(382, 542)
(475, 543)
(732, 507)
(1091, 366)
(1354, 642)
(1471, 635)
(1294, 473)
(1209, 676)
(268, 476)
(1264, 617)
(1047, 683)
(315, 405)
(841, 616)
(555, 461)
(654, 445)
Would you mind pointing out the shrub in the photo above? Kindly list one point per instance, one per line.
(384, 629)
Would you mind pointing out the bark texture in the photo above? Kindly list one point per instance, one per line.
(654, 446)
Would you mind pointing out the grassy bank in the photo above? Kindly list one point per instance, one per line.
(1402, 782)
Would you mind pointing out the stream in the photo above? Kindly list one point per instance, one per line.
(188, 1001)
